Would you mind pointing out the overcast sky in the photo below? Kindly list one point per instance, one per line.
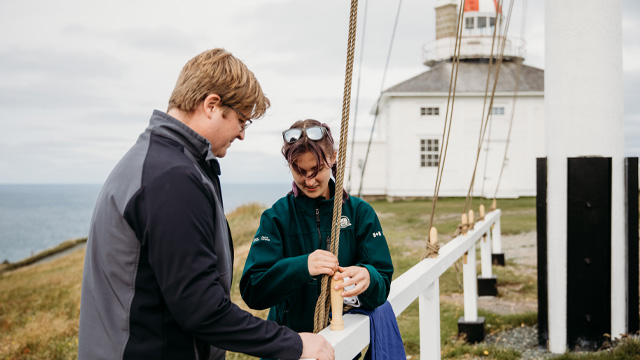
(79, 79)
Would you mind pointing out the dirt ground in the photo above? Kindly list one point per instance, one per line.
(520, 249)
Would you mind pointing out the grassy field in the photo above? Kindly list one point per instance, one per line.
(39, 304)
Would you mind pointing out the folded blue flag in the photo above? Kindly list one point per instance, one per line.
(386, 342)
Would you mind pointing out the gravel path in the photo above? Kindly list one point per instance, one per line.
(523, 339)
(521, 249)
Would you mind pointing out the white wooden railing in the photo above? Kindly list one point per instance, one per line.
(422, 281)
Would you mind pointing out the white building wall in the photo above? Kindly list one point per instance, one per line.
(525, 145)
(403, 126)
(406, 128)
(375, 171)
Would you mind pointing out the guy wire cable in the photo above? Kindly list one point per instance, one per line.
(515, 95)
(448, 119)
(355, 114)
(496, 29)
(495, 84)
(497, 25)
(486, 155)
(375, 117)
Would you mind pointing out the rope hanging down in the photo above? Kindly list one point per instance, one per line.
(322, 305)
(483, 126)
(433, 248)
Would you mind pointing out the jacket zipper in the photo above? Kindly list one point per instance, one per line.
(318, 225)
(328, 240)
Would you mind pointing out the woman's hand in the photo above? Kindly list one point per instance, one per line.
(322, 262)
(358, 275)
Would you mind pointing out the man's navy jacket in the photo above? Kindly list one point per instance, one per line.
(159, 260)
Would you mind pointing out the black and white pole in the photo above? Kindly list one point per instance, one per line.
(587, 286)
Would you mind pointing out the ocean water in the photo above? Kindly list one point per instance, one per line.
(38, 217)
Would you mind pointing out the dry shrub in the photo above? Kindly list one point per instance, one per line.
(38, 335)
(39, 308)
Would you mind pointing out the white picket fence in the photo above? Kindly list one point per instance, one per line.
(422, 281)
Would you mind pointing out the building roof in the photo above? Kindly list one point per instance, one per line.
(472, 77)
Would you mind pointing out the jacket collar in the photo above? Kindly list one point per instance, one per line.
(319, 202)
(167, 126)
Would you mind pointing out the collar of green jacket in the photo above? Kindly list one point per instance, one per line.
(320, 201)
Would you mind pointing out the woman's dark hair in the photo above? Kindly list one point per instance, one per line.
(321, 149)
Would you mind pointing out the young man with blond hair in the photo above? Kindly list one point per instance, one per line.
(159, 257)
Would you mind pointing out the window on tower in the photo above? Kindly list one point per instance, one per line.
(429, 152)
(492, 21)
(482, 22)
(468, 23)
(429, 111)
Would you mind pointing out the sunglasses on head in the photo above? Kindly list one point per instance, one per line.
(314, 133)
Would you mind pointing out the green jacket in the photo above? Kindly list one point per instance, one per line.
(276, 274)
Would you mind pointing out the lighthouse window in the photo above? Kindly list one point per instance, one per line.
(468, 23)
(482, 22)
(497, 110)
(492, 21)
(429, 152)
(429, 111)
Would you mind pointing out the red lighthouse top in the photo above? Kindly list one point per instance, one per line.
(482, 6)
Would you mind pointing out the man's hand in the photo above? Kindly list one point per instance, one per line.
(322, 262)
(315, 346)
(358, 275)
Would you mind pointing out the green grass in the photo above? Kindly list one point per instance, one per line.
(626, 349)
(462, 350)
(411, 218)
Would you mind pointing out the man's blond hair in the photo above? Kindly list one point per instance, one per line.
(217, 71)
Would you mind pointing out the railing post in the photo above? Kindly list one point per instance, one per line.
(497, 256)
(429, 308)
(487, 283)
(470, 285)
(485, 256)
(470, 326)
(422, 282)
(497, 239)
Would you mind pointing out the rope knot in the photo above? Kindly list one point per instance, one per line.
(461, 228)
(433, 250)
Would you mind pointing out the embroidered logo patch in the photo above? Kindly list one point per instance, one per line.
(376, 234)
(262, 238)
(344, 222)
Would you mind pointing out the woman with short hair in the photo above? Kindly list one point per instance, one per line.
(291, 247)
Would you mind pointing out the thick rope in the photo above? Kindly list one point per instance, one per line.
(432, 250)
(483, 123)
(444, 146)
(483, 127)
(321, 319)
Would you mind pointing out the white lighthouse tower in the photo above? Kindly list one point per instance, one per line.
(480, 19)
